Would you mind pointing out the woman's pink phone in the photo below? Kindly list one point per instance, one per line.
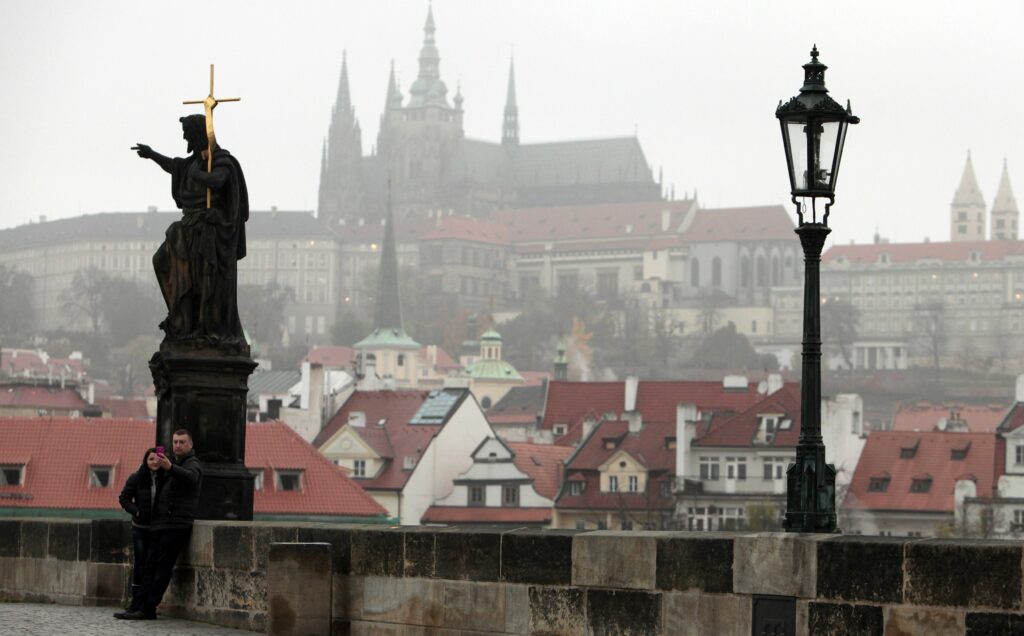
(160, 451)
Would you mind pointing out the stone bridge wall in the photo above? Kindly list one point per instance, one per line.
(394, 581)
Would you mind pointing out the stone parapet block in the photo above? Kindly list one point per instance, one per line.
(541, 557)
(411, 601)
(377, 552)
(624, 612)
(843, 619)
(842, 574)
(614, 559)
(299, 589)
(971, 574)
(468, 556)
(776, 564)
(694, 613)
(934, 621)
(695, 560)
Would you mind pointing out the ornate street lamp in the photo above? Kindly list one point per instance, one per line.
(813, 132)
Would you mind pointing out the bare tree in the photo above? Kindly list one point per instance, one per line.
(85, 297)
(930, 332)
(840, 323)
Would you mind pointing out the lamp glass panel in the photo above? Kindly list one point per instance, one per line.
(839, 153)
(798, 153)
(827, 135)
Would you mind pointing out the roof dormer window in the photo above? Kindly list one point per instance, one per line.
(12, 475)
(921, 484)
(100, 476)
(879, 483)
(908, 452)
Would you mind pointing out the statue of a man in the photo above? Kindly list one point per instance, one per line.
(197, 264)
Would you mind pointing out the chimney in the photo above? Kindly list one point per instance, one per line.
(774, 383)
(357, 418)
(588, 425)
(666, 219)
(316, 394)
(632, 386)
(686, 430)
(636, 422)
(1020, 388)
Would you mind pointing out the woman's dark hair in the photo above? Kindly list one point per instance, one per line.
(144, 476)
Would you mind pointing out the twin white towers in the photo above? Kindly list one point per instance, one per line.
(967, 212)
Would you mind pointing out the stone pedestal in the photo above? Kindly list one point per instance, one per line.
(205, 393)
(299, 589)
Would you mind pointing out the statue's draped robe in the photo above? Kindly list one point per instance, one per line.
(197, 264)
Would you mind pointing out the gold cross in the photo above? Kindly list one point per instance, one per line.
(208, 105)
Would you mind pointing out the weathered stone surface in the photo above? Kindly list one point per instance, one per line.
(775, 563)
(247, 590)
(211, 587)
(10, 538)
(842, 619)
(517, 609)
(63, 541)
(339, 540)
(34, 538)
(410, 601)
(200, 548)
(695, 561)
(233, 546)
(182, 590)
(468, 555)
(420, 552)
(475, 606)
(299, 589)
(107, 581)
(614, 559)
(557, 611)
(264, 536)
(535, 556)
(974, 574)
(377, 553)
(346, 597)
(623, 613)
(990, 624)
(695, 613)
(910, 621)
(111, 541)
(84, 540)
(362, 628)
(842, 575)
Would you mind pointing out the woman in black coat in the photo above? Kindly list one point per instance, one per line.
(137, 499)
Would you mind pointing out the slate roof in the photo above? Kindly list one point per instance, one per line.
(520, 405)
(949, 252)
(582, 223)
(882, 457)
(544, 463)
(586, 161)
(41, 397)
(58, 452)
(124, 407)
(925, 417)
(273, 382)
(759, 223)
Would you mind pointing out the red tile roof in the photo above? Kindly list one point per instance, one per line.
(740, 429)
(925, 417)
(58, 452)
(760, 223)
(394, 441)
(1014, 419)
(933, 458)
(570, 402)
(124, 407)
(41, 397)
(331, 357)
(913, 252)
(544, 463)
(28, 362)
(463, 514)
(467, 229)
(588, 222)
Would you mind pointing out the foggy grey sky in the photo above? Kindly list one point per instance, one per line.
(698, 81)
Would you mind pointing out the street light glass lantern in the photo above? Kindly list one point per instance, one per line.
(813, 132)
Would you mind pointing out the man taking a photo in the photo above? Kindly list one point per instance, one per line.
(174, 510)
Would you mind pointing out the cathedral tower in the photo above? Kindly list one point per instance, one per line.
(510, 123)
(341, 182)
(967, 212)
(1004, 210)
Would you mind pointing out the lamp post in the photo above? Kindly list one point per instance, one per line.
(813, 132)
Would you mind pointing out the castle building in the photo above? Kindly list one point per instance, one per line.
(422, 150)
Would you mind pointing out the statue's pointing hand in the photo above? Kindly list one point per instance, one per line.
(144, 151)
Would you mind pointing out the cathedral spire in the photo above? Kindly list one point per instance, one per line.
(394, 97)
(967, 212)
(343, 102)
(510, 123)
(428, 89)
(389, 302)
(1005, 214)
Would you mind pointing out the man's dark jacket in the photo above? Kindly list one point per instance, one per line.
(177, 497)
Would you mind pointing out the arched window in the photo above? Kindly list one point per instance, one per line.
(762, 272)
(694, 273)
(744, 272)
(776, 271)
(486, 402)
(716, 272)
(789, 264)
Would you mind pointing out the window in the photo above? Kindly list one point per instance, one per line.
(744, 272)
(627, 525)
(878, 484)
(510, 496)
(736, 468)
(665, 488)
(1019, 452)
(708, 468)
(921, 484)
(257, 482)
(580, 525)
(1018, 520)
(638, 272)
(694, 273)
(608, 285)
(601, 525)
(634, 483)
(716, 271)
(575, 488)
(960, 453)
(477, 496)
(100, 476)
(288, 480)
(568, 281)
(613, 484)
(401, 359)
(775, 467)
(12, 475)
(909, 451)
(559, 429)
(359, 468)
